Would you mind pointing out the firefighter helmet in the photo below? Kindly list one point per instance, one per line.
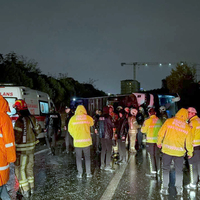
(133, 111)
(192, 110)
(126, 109)
(119, 108)
(20, 104)
(151, 111)
(162, 109)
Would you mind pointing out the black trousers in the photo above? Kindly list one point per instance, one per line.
(154, 157)
(178, 164)
(194, 164)
(106, 151)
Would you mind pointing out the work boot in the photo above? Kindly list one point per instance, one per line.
(179, 191)
(164, 191)
(79, 175)
(25, 194)
(108, 168)
(89, 175)
(191, 186)
(66, 151)
(53, 151)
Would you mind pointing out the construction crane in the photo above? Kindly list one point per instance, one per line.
(134, 64)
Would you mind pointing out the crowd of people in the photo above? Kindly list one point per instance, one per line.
(167, 140)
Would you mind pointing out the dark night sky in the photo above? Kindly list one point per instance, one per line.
(89, 39)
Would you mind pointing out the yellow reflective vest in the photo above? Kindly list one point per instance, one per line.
(195, 125)
(79, 127)
(150, 127)
(175, 135)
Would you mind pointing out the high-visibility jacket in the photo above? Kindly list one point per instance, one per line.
(26, 130)
(150, 127)
(175, 135)
(194, 123)
(7, 142)
(79, 127)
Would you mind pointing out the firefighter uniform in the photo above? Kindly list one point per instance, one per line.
(175, 138)
(194, 162)
(133, 129)
(7, 144)
(26, 129)
(150, 127)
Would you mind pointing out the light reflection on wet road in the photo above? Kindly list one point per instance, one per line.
(55, 178)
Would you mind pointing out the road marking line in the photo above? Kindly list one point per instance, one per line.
(112, 186)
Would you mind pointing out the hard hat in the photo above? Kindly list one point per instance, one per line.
(119, 108)
(133, 111)
(126, 109)
(192, 110)
(110, 106)
(162, 108)
(141, 109)
(20, 104)
(151, 111)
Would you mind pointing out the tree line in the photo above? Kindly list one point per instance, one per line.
(23, 72)
(20, 71)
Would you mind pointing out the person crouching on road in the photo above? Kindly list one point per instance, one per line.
(79, 128)
(194, 162)
(150, 127)
(175, 138)
(26, 130)
(7, 146)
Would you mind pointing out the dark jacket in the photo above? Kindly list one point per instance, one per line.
(140, 118)
(122, 127)
(105, 126)
(67, 118)
(53, 120)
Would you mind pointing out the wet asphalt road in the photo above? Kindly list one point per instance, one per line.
(55, 178)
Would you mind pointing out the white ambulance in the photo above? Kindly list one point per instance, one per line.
(38, 102)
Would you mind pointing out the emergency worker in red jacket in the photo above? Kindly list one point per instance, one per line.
(7, 146)
(175, 137)
(26, 130)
